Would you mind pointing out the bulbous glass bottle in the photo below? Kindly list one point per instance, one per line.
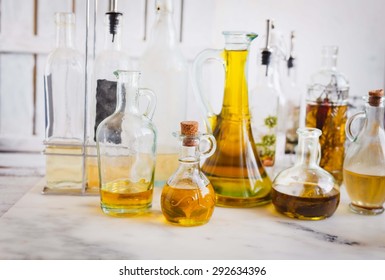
(326, 109)
(306, 191)
(64, 99)
(364, 172)
(188, 198)
(126, 148)
(102, 98)
(164, 69)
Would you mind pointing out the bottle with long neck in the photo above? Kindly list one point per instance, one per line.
(326, 109)
(102, 98)
(235, 170)
(165, 71)
(64, 96)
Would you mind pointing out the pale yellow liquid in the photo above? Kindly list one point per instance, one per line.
(165, 166)
(365, 191)
(64, 169)
(188, 206)
(92, 175)
(125, 198)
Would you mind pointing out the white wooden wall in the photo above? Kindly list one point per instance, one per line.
(27, 34)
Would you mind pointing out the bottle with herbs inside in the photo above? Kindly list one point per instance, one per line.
(364, 173)
(306, 191)
(326, 109)
(102, 99)
(188, 198)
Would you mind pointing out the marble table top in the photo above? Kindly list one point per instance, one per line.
(73, 227)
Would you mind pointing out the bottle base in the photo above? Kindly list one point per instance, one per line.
(125, 212)
(365, 211)
(241, 202)
(301, 217)
(187, 222)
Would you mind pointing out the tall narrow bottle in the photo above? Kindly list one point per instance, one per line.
(102, 99)
(326, 109)
(235, 170)
(164, 69)
(64, 109)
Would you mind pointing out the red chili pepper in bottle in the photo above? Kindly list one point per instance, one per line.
(322, 112)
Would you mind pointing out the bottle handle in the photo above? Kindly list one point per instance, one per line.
(151, 97)
(213, 145)
(348, 127)
(209, 54)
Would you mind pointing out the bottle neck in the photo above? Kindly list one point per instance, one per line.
(65, 34)
(163, 32)
(308, 151)
(112, 31)
(375, 117)
(127, 98)
(189, 153)
(329, 62)
(235, 99)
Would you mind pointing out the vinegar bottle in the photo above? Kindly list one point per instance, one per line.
(188, 198)
(364, 172)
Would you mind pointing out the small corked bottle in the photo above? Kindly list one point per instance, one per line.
(188, 198)
(364, 172)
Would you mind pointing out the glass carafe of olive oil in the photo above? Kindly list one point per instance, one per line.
(188, 198)
(235, 170)
(306, 191)
(364, 172)
(126, 147)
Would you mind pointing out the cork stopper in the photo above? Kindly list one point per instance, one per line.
(375, 97)
(189, 128)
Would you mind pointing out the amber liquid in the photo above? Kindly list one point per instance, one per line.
(307, 206)
(188, 205)
(125, 198)
(331, 119)
(64, 169)
(235, 169)
(367, 192)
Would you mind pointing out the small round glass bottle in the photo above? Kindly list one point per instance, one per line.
(126, 147)
(188, 198)
(364, 172)
(306, 191)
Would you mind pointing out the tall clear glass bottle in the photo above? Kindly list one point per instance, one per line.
(164, 69)
(326, 109)
(306, 191)
(126, 147)
(235, 170)
(102, 99)
(265, 101)
(188, 198)
(64, 111)
(364, 172)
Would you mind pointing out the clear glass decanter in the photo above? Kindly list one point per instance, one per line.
(364, 172)
(326, 109)
(188, 198)
(126, 148)
(235, 170)
(306, 191)
(102, 99)
(164, 69)
(64, 114)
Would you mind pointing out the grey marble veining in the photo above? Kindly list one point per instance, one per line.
(68, 227)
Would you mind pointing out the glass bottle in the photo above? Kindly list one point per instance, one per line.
(64, 111)
(188, 198)
(102, 100)
(326, 109)
(364, 173)
(265, 101)
(126, 147)
(306, 191)
(235, 170)
(164, 69)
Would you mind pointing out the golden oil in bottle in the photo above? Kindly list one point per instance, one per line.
(331, 119)
(188, 205)
(312, 204)
(365, 191)
(125, 198)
